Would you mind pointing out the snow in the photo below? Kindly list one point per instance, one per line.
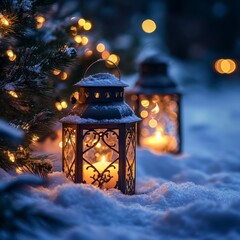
(191, 196)
(74, 119)
(101, 80)
(70, 51)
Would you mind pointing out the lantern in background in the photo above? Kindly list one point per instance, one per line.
(156, 99)
(99, 136)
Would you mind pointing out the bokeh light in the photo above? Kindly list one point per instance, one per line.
(225, 66)
(148, 26)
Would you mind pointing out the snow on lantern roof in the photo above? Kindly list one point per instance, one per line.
(101, 80)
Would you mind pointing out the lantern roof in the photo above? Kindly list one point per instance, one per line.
(101, 80)
(154, 78)
(101, 100)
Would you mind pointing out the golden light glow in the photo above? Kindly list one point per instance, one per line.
(10, 53)
(114, 58)
(19, 170)
(98, 145)
(88, 53)
(13, 94)
(13, 57)
(60, 144)
(58, 106)
(225, 66)
(40, 21)
(148, 26)
(81, 22)
(56, 72)
(78, 39)
(105, 54)
(152, 123)
(64, 76)
(100, 47)
(87, 26)
(4, 20)
(84, 40)
(144, 114)
(144, 132)
(11, 156)
(145, 103)
(64, 104)
(35, 138)
(156, 109)
(73, 28)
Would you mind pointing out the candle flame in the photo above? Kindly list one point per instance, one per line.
(103, 159)
(158, 135)
(156, 109)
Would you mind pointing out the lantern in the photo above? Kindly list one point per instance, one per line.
(99, 136)
(156, 99)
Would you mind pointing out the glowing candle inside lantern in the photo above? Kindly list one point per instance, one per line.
(101, 170)
(160, 141)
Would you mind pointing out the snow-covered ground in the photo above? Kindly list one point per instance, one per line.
(192, 196)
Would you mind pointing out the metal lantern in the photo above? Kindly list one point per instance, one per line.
(99, 136)
(156, 99)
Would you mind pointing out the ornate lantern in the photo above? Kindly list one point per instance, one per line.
(99, 135)
(156, 99)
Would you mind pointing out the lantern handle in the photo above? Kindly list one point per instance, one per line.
(103, 60)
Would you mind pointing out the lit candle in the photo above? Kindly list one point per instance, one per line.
(160, 142)
(102, 170)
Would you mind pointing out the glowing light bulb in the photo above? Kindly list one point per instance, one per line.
(64, 104)
(148, 26)
(81, 22)
(56, 72)
(10, 53)
(144, 114)
(100, 47)
(58, 106)
(13, 94)
(11, 156)
(114, 58)
(64, 76)
(105, 54)
(84, 40)
(78, 39)
(87, 26)
(60, 144)
(98, 145)
(4, 20)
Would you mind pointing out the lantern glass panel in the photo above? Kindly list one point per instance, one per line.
(130, 159)
(159, 128)
(69, 151)
(101, 157)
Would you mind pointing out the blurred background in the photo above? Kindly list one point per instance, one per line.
(199, 39)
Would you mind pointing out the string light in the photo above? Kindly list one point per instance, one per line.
(78, 39)
(19, 170)
(58, 106)
(13, 94)
(64, 76)
(56, 72)
(105, 54)
(40, 21)
(60, 144)
(10, 53)
(4, 20)
(11, 156)
(64, 104)
(34, 138)
(88, 53)
(81, 22)
(114, 58)
(87, 26)
(84, 40)
(148, 26)
(100, 47)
